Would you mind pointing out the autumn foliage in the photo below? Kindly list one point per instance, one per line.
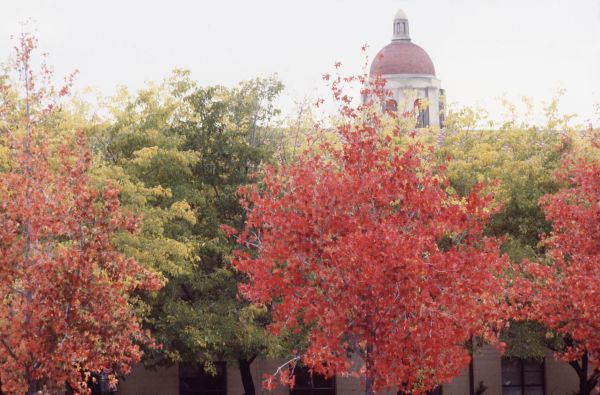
(65, 311)
(362, 245)
(564, 293)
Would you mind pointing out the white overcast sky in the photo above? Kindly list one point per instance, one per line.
(482, 49)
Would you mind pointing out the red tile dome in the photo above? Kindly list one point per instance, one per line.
(402, 57)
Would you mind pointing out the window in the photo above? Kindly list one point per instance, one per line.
(400, 27)
(391, 105)
(421, 110)
(100, 385)
(307, 384)
(522, 377)
(193, 380)
(423, 118)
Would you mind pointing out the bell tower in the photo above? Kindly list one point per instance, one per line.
(401, 29)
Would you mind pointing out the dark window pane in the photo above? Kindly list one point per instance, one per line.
(302, 377)
(307, 384)
(511, 372)
(533, 372)
(193, 380)
(188, 370)
(534, 378)
(522, 377)
(320, 381)
(533, 366)
(534, 390)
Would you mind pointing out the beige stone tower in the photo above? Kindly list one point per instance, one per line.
(410, 74)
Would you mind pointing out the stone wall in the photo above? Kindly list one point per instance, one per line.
(159, 381)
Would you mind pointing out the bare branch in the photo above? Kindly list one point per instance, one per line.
(293, 361)
(8, 349)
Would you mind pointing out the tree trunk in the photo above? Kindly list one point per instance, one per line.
(583, 390)
(586, 383)
(246, 374)
(471, 375)
(583, 376)
(32, 388)
(369, 387)
(369, 381)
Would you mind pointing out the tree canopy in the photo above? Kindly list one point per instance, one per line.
(181, 152)
(66, 310)
(562, 291)
(364, 247)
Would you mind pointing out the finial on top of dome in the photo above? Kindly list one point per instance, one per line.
(401, 31)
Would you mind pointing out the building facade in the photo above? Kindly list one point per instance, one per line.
(498, 375)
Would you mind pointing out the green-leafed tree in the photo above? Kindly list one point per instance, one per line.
(180, 152)
(517, 160)
(524, 159)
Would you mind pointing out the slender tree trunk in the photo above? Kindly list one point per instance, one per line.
(32, 388)
(369, 387)
(471, 375)
(28, 172)
(246, 374)
(368, 362)
(583, 390)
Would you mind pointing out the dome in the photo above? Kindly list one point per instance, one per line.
(402, 57)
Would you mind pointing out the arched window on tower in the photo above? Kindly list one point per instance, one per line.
(397, 27)
(422, 114)
(390, 105)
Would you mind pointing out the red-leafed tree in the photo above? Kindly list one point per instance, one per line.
(362, 245)
(65, 312)
(564, 293)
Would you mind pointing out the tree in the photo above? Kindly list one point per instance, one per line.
(65, 312)
(225, 129)
(365, 249)
(521, 156)
(525, 158)
(563, 292)
(180, 152)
